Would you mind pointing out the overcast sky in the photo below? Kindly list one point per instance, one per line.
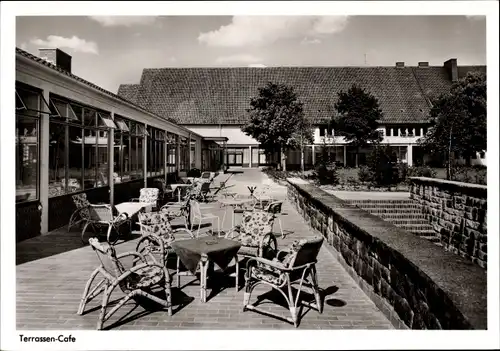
(109, 51)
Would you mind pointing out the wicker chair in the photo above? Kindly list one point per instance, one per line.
(149, 195)
(135, 282)
(105, 216)
(179, 210)
(81, 213)
(275, 208)
(255, 234)
(297, 265)
(156, 228)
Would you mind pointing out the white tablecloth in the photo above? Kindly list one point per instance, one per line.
(132, 208)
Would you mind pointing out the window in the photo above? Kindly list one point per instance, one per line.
(321, 130)
(184, 154)
(128, 153)
(78, 151)
(171, 140)
(388, 131)
(193, 154)
(156, 144)
(395, 131)
(482, 154)
(417, 131)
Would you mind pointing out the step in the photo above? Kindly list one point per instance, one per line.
(389, 206)
(404, 201)
(431, 238)
(415, 227)
(401, 216)
(408, 221)
(424, 232)
(401, 211)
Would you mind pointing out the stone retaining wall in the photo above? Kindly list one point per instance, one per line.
(412, 281)
(458, 213)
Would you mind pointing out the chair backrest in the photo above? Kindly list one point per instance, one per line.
(195, 208)
(80, 200)
(156, 223)
(149, 195)
(102, 213)
(274, 207)
(256, 223)
(303, 251)
(106, 254)
(205, 188)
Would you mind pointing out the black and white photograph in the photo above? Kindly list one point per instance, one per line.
(249, 175)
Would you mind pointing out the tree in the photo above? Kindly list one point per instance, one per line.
(277, 121)
(458, 120)
(359, 113)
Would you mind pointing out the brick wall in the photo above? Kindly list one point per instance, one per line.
(412, 281)
(458, 213)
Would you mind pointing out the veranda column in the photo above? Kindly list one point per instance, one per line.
(250, 158)
(111, 161)
(189, 153)
(144, 156)
(409, 156)
(165, 159)
(178, 156)
(313, 156)
(44, 163)
(345, 156)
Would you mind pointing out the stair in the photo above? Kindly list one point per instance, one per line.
(405, 214)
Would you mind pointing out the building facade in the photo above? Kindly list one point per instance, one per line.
(213, 102)
(73, 136)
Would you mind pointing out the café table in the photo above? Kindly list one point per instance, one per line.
(178, 187)
(233, 203)
(199, 252)
(132, 208)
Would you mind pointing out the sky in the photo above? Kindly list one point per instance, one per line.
(113, 50)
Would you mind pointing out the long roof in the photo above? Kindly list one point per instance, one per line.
(92, 85)
(207, 96)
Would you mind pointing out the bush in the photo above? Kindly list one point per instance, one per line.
(403, 171)
(382, 165)
(469, 174)
(326, 173)
(364, 174)
(421, 171)
(194, 172)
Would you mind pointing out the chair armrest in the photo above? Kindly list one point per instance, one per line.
(122, 217)
(178, 230)
(139, 267)
(263, 238)
(132, 253)
(253, 261)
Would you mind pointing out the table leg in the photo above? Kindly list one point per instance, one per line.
(203, 279)
(237, 272)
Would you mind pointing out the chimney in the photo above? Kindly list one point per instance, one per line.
(423, 64)
(400, 64)
(57, 57)
(451, 68)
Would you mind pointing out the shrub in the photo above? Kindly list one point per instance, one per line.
(403, 171)
(422, 171)
(364, 174)
(326, 173)
(382, 165)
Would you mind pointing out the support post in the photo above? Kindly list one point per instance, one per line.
(409, 156)
(111, 162)
(145, 156)
(313, 155)
(44, 164)
(250, 157)
(345, 156)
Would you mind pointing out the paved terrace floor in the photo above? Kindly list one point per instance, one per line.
(52, 271)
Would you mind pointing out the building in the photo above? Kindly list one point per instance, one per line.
(213, 102)
(73, 136)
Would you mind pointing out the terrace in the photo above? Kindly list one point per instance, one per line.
(52, 271)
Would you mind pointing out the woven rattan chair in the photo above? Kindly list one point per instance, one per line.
(135, 282)
(107, 216)
(255, 234)
(179, 210)
(155, 228)
(297, 265)
(149, 195)
(81, 213)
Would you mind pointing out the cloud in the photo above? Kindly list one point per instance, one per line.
(124, 21)
(240, 58)
(172, 59)
(307, 41)
(263, 30)
(259, 65)
(24, 46)
(74, 43)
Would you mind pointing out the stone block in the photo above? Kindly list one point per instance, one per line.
(402, 308)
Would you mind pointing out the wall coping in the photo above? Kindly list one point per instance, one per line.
(466, 187)
(462, 281)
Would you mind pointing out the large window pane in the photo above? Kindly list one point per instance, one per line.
(57, 159)
(90, 159)
(75, 159)
(102, 158)
(26, 158)
(140, 157)
(117, 157)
